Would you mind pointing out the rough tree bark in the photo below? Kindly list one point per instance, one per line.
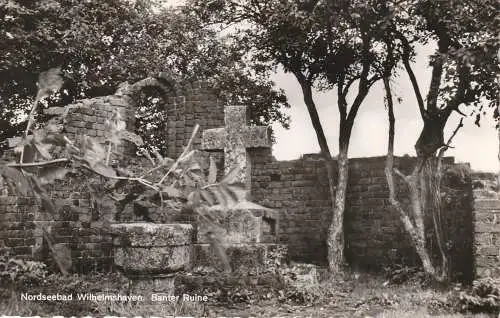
(424, 181)
(334, 248)
(414, 225)
(498, 128)
(335, 235)
(335, 239)
(421, 193)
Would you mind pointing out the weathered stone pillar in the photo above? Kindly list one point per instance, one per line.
(151, 254)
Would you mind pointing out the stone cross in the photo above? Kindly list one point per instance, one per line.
(235, 138)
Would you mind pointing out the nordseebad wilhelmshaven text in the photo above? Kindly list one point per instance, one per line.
(80, 296)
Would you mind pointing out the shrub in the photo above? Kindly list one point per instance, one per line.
(399, 274)
(484, 296)
(21, 272)
(306, 295)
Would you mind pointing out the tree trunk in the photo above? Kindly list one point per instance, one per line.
(432, 176)
(417, 186)
(335, 238)
(428, 173)
(418, 204)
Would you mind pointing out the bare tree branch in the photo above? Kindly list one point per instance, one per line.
(402, 175)
(348, 85)
(38, 164)
(363, 82)
(447, 145)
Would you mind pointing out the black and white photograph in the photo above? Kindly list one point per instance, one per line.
(250, 158)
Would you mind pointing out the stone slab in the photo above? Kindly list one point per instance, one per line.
(486, 228)
(489, 204)
(143, 260)
(239, 226)
(483, 271)
(201, 284)
(151, 234)
(248, 258)
(233, 227)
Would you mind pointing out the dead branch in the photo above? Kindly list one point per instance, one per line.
(447, 145)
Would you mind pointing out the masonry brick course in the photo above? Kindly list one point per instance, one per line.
(486, 231)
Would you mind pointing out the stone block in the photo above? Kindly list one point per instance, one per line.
(201, 284)
(482, 272)
(238, 226)
(488, 204)
(151, 234)
(485, 193)
(10, 200)
(213, 138)
(166, 259)
(243, 258)
(232, 227)
(489, 250)
(484, 239)
(487, 228)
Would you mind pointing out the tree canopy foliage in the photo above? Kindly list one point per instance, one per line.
(101, 43)
(463, 68)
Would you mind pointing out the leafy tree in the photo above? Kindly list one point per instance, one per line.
(326, 45)
(464, 70)
(99, 44)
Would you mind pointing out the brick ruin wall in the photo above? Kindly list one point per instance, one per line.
(192, 106)
(374, 234)
(80, 224)
(486, 225)
(298, 189)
